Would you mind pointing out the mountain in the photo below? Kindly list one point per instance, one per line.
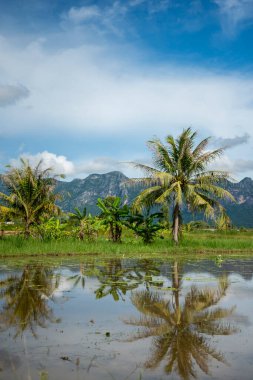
(85, 192)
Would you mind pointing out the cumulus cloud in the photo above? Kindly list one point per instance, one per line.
(234, 14)
(88, 91)
(98, 165)
(10, 94)
(231, 142)
(101, 165)
(58, 164)
(101, 19)
(61, 165)
(72, 91)
(236, 167)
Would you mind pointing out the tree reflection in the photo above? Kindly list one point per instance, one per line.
(145, 273)
(180, 331)
(114, 281)
(26, 298)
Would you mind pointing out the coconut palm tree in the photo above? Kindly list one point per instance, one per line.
(30, 193)
(180, 177)
(26, 298)
(180, 332)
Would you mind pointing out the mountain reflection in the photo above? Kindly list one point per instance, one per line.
(26, 298)
(180, 330)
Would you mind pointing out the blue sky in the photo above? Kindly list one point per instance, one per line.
(84, 84)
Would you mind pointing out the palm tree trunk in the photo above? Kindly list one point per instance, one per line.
(27, 229)
(175, 284)
(176, 223)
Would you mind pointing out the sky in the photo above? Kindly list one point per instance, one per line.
(85, 84)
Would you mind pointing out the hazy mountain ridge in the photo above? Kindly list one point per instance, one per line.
(85, 192)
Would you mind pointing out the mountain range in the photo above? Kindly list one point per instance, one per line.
(85, 192)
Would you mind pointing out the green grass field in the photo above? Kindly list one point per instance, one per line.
(201, 242)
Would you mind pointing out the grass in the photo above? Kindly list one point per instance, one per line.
(201, 242)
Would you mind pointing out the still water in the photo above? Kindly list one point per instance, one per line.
(127, 319)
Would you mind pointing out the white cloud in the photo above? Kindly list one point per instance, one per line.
(82, 14)
(238, 167)
(98, 165)
(159, 6)
(231, 142)
(153, 6)
(234, 14)
(78, 90)
(100, 19)
(59, 164)
(11, 94)
(79, 169)
(86, 91)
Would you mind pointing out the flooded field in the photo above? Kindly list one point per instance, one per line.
(127, 319)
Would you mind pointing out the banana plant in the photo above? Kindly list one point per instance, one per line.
(145, 225)
(113, 213)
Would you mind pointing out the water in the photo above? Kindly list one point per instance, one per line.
(127, 319)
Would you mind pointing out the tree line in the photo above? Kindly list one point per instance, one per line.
(179, 177)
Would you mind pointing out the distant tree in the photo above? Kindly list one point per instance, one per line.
(180, 176)
(113, 213)
(30, 193)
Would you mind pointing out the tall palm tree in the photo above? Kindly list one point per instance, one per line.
(180, 176)
(30, 193)
(180, 332)
(26, 298)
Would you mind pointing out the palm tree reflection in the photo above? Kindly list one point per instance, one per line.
(180, 331)
(26, 298)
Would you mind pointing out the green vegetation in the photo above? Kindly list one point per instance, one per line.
(145, 225)
(180, 178)
(113, 213)
(195, 242)
(31, 194)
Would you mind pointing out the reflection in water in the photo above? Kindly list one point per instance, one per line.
(26, 298)
(80, 277)
(113, 280)
(87, 343)
(180, 331)
(145, 273)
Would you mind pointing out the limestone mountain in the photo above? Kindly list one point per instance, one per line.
(85, 192)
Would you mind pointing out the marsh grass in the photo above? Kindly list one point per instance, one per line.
(192, 243)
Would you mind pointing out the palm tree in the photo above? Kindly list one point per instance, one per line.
(30, 193)
(180, 332)
(180, 177)
(26, 298)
